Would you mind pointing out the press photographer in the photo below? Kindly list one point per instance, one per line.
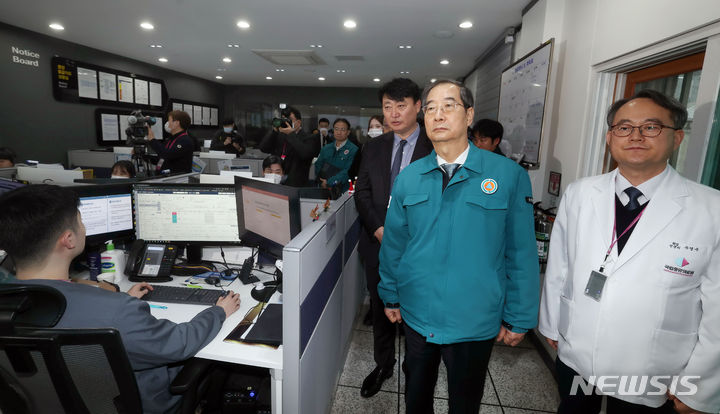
(227, 139)
(295, 147)
(176, 153)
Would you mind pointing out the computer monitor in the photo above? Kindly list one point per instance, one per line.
(201, 214)
(106, 212)
(9, 185)
(268, 214)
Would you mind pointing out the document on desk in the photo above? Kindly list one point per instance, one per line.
(266, 331)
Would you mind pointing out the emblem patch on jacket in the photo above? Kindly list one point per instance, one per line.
(489, 186)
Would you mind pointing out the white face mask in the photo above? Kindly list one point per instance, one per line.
(227, 130)
(374, 132)
(167, 127)
(323, 131)
(119, 176)
(275, 177)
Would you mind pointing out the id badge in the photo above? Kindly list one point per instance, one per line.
(595, 285)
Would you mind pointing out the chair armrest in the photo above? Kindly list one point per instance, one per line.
(192, 372)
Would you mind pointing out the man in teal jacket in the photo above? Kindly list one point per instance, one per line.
(458, 260)
(336, 158)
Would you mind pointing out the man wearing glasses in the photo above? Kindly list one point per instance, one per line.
(335, 159)
(458, 261)
(631, 299)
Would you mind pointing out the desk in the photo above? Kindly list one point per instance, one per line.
(218, 350)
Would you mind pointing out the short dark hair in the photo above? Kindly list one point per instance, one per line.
(398, 89)
(32, 218)
(465, 95)
(125, 165)
(342, 120)
(182, 117)
(324, 120)
(7, 154)
(291, 110)
(270, 160)
(677, 110)
(488, 128)
(228, 121)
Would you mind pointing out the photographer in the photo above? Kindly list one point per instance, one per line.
(227, 139)
(176, 153)
(292, 145)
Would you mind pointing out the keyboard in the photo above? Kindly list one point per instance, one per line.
(177, 294)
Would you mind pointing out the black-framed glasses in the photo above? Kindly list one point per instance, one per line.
(649, 130)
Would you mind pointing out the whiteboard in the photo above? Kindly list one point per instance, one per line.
(523, 92)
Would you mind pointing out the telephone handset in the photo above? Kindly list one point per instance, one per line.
(150, 262)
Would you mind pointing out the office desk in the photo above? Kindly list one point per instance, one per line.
(218, 350)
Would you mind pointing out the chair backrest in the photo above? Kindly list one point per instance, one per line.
(47, 370)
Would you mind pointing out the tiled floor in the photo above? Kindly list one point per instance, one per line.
(518, 382)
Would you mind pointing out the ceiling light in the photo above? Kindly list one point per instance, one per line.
(233, 45)
(227, 59)
(158, 46)
(147, 25)
(465, 25)
(321, 78)
(404, 47)
(376, 79)
(222, 70)
(350, 24)
(444, 62)
(341, 71)
(404, 72)
(433, 80)
(218, 77)
(316, 45)
(57, 26)
(268, 77)
(163, 60)
(279, 70)
(243, 24)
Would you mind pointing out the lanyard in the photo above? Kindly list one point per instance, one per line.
(609, 250)
(171, 143)
(282, 156)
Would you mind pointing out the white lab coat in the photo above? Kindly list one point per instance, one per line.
(660, 308)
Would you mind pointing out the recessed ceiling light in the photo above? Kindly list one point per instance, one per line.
(163, 60)
(147, 25)
(404, 72)
(316, 45)
(433, 80)
(321, 78)
(405, 47)
(243, 24)
(218, 77)
(376, 79)
(350, 24)
(444, 62)
(279, 70)
(56, 26)
(227, 59)
(156, 46)
(222, 70)
(465, 25)
(268, 77)
(233, 45)
(341, 71)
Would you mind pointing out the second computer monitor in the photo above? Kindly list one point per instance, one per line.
(106, 211)
(186, 213)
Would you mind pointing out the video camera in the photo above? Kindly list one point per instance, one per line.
(284, 120)
(138, 125)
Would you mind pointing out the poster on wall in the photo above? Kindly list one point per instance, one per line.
(110, 127)
(125, 89)
(213, 116)
(197, 115)
(155, 94)
(205, 115)
(141, 92)
(177, 106)
(523, 92)
(87, 83)
(189, 109)
(108, 86)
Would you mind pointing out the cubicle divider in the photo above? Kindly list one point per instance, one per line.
(322, 291)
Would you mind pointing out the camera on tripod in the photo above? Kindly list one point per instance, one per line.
(138, 125)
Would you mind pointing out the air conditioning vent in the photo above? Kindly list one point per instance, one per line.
(349, 58)
(289, 57)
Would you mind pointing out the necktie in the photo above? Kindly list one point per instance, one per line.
(634, 194)
(395, 168)
(449, 170)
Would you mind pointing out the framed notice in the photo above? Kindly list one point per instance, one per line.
(108, 86)
(142, 96)
(202, 115)
(87, 83)
(125, 89)
(554, 183)
(111, 125)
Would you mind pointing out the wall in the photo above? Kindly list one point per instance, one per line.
(37, 126)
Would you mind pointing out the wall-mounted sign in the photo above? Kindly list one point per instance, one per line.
(25, 57)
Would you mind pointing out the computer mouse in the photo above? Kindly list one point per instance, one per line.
(212, 280)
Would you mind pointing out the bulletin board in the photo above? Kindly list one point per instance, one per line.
(110, 125)
(523, 93)
(201, 114)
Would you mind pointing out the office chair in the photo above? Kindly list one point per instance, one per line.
(83, 371)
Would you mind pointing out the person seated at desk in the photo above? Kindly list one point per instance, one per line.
(42, 232)
(272, 168)
(227, 139)
(123, 169)
(176, 154)
(336, 158)
(7, 157)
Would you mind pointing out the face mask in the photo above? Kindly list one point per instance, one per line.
(227, 130)
(167, 127)
(375, 132)
(118, 176)
(275, 177)
(323, 131)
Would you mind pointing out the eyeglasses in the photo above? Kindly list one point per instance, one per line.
(339, 129)
(446, 108)
(646, 130)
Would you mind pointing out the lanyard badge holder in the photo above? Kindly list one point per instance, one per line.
(596, 283)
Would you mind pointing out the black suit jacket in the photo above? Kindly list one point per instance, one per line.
(299, 149)
(372, 189)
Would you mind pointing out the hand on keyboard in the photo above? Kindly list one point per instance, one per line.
(230, 303)
(139, 290)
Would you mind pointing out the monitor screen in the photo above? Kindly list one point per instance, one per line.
(106, 211)
(268, 214)
(203, 213)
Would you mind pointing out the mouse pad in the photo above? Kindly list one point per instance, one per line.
(268, 328)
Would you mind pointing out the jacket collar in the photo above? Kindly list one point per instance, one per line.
(474, 161)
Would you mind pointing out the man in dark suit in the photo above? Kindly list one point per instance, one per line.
(382, 160)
